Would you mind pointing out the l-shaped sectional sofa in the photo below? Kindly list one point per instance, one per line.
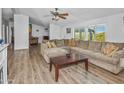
(90, 48)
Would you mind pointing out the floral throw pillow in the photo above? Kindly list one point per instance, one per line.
(110, 49)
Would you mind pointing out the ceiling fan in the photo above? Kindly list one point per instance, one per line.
(57, 15)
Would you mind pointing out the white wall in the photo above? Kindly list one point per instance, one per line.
(114, 23)
(40, 33)
(115, 31)
(0, 23)
(55, 31)
(21, 32)
(65, 35)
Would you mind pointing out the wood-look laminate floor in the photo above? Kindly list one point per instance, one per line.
(29, 67)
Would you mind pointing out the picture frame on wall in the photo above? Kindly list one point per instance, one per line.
(68, 30)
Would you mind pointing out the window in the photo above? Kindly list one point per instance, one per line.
(82, 34)
(91, 33)
(79, 34)
(97, 33)
(100, 32)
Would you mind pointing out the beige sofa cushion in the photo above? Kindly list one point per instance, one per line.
(119, 54)
(120, 45)
(91, 46)
(96, 55)
(66, 42)
(98, 46)
(83, 51)
(83, 44)
(105, 58)
(94, 46)
(54, 52)
(103, 46)
(73, 42)
(59, 43)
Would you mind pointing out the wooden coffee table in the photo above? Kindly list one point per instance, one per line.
(61, 61)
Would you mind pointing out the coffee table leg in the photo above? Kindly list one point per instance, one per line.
(56, 72)
(86, 65)
(50, 66)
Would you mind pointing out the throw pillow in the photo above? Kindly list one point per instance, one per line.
(53, 44)
(113, 52)
(48, 44)
(110, 49)
(105, 49)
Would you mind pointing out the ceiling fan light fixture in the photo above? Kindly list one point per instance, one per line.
(56, 18)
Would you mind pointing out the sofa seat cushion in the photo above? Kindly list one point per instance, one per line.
(54, 52)
(97, 55)
(83, 51)
(105, 58)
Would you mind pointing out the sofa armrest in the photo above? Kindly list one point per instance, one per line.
(43, 47)
(119, 54)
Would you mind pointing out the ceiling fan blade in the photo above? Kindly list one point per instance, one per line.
(62, 17)
(52, 12)
(64, 14)
(56, 14)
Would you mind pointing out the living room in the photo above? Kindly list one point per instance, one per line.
(25, 68)
(46, 36)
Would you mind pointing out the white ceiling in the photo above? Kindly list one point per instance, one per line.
(40, 16)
